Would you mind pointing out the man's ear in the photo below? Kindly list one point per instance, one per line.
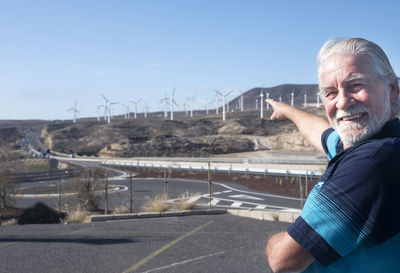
(394, 91)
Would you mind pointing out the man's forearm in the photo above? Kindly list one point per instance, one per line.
(286, 255)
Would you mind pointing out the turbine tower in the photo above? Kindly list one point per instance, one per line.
(292, 99)
(127, 111)
(305, 100)
(262, 103)
(191, 104)
(99, 111)
(267, 99)
(216, 104)
(135, 103)
(223, 95)
(165, 101)
(75, 110)
(241, 101)
(172, 102)
(107, 108)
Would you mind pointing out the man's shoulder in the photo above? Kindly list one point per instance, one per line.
(380, 152)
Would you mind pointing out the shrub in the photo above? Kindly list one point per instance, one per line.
(157, 204)
(188, 200)
(40, 213)
(124, 208)
(76, 214)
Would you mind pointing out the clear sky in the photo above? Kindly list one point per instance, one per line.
(53, 53)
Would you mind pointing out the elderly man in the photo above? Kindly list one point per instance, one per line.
(350, 222)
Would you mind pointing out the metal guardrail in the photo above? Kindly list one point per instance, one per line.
(44, 175)
(256, 171)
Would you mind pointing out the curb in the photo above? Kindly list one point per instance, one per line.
(273, 215)
(144, 215)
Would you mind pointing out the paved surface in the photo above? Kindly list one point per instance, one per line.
(224, 195)
(210, 243)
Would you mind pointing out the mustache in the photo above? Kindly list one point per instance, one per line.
(352, 110)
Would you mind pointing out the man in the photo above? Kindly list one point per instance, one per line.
(350, 222)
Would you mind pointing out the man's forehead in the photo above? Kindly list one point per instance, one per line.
(347, 68)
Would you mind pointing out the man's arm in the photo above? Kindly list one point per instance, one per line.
(286, 255)
(310, 126)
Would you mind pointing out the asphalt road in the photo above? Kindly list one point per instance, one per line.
(209, 243)
(224, 195)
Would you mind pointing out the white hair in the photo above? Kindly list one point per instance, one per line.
(359, 46)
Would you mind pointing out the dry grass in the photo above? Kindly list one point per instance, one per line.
(157, 204)
(123, 209)
(187, 201)
(76, 214)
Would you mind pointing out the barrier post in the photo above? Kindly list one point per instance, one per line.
(131, 194)
(209, 184)
(106, 194)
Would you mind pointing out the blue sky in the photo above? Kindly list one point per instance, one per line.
(55, 52)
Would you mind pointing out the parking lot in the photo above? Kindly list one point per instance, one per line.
(208, 243)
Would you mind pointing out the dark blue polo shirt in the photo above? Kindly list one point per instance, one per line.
(350, 221)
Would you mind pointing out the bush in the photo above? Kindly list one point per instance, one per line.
(40, 213)
(76, 214)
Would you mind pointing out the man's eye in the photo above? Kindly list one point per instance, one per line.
(330, 93)
(357, 86)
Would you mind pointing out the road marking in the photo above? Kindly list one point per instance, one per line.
(227, 191)
(184, 262)
(162, 249)
(214, 201)
(261, 207)
(236, 204)
(243, 196)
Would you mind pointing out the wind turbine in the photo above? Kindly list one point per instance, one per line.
(127, 111)
(223, 95)
(75, 110)
(146, 109)
(216, 104)
(262, 103)
(99, 111)
(191, 103)
(165, 101)
(171, 103)
(267, 99)
(206, 104)
(107, 108)
(292, 99)
(241, 101)
(305, 100)
(135, 103)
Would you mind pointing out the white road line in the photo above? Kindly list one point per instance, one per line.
(184, 262)
(215, 193)
(252, 203)
(214, 201)
(261, 207)
(227, 191)
(236, 204)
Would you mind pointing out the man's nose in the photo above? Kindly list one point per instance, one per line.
(344, 100)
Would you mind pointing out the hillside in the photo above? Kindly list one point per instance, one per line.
(201, 135)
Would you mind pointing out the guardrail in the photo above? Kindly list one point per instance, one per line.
(259, 171)
(44, 175)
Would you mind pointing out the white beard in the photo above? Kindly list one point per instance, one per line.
(357, 132)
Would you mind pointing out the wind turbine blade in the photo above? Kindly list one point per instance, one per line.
(138, 100)
(175, 103)
(173, 92)
(104, 98)
(218, 92)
